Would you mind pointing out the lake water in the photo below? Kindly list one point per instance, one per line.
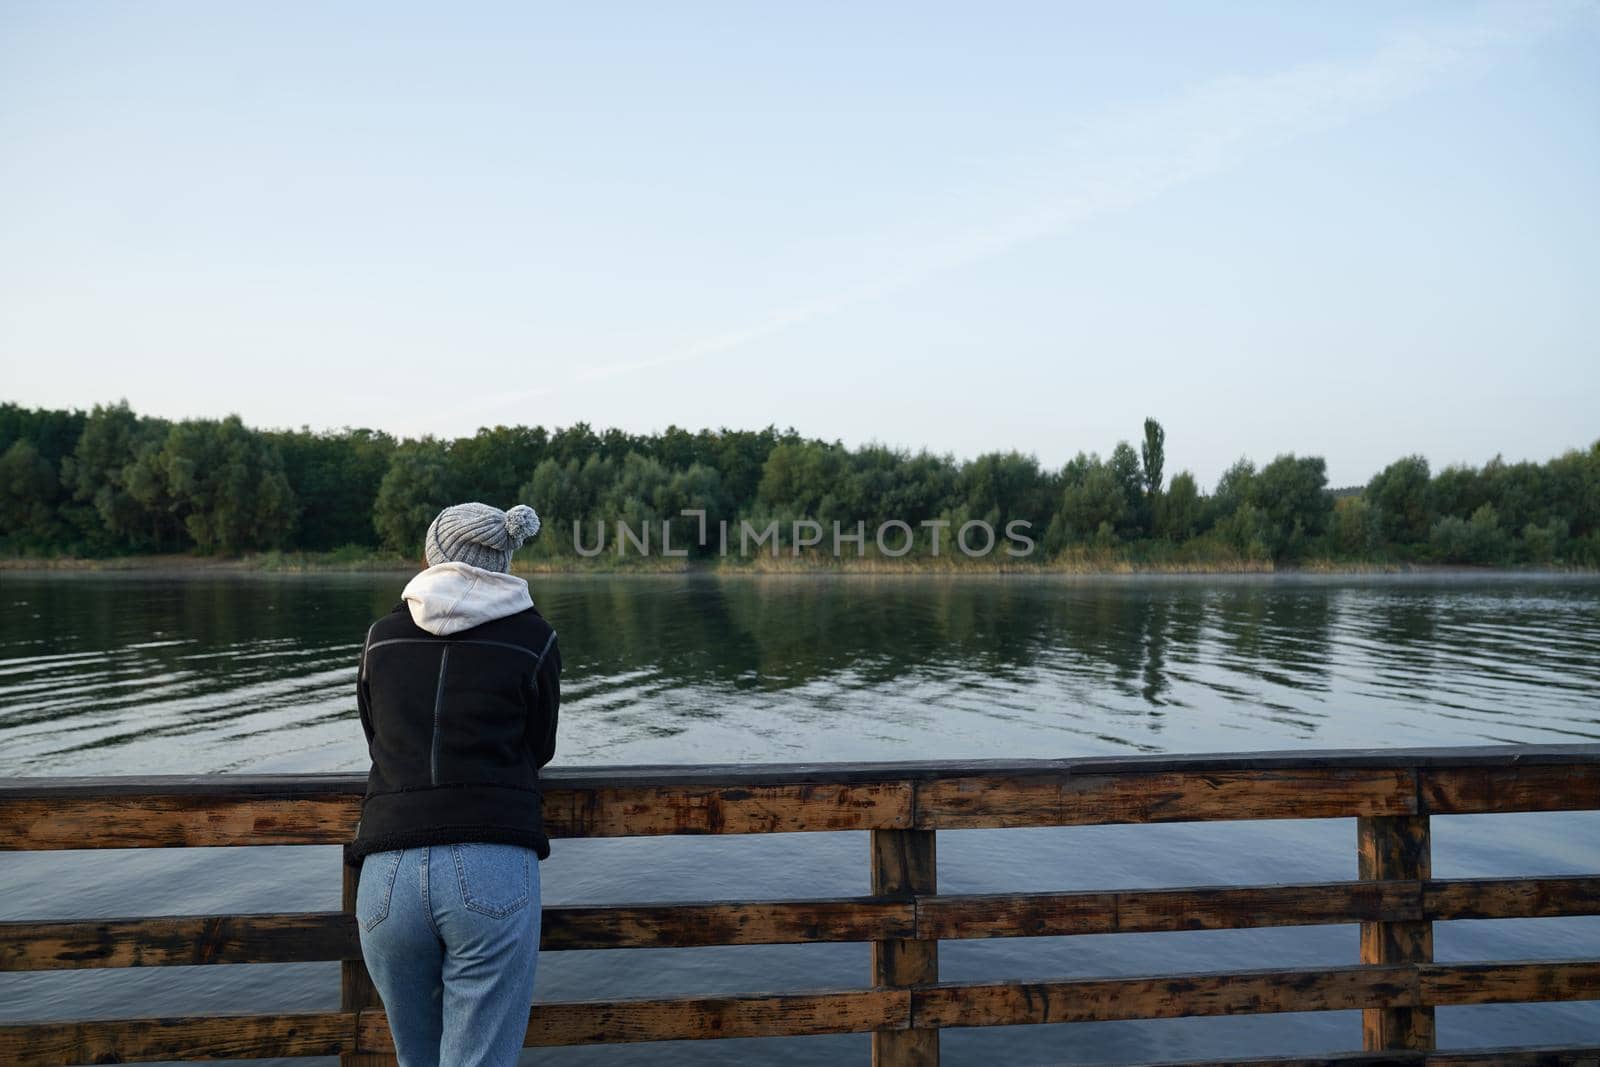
(109, 674)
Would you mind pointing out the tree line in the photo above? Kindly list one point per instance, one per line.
(110, 482)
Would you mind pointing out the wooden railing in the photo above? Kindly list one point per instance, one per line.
(1389, 793)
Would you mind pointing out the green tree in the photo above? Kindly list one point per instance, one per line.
(414, 490)
(578, 441)
(53, 433)
(1400, 494)
(493, 463)
(1248, 532)
(569, 493)
(1125, 467)
(27, 496)
(738, 457)
(101, 472)
(1291, 496)
(336, 477)
(647, 495)
(554, 493)
(1518, 491)
(145, 478)
(227, 486)
(1573, 484)
(1094, 502)
(1476, 540)
(49, 436)
(1232, 493)
(1153, 455)
(887, 484)
(805, 478)
(1457, 491)
(1545, 544)
(1354, 527)
(998, 487)
(1179, 511)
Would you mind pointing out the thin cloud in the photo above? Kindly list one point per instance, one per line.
(1134, 155)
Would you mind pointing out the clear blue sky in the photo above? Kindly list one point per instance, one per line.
(1357, 229)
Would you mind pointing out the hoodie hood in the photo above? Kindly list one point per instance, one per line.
(452, 597)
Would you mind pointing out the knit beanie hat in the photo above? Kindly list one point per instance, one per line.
(479, 535)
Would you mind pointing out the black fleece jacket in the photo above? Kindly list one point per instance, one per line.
(457, 728)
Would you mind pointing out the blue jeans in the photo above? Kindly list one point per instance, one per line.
(451, 935)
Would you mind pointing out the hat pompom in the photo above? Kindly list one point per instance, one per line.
(522, 522)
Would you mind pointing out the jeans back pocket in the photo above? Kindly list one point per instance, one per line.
(495, 879)
(376, 887)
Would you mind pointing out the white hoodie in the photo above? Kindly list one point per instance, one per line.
(452, 597)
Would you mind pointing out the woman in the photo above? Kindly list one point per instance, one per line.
(459, 688)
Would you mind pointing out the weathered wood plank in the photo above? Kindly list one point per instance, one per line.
(1220, 993)
(162, 821)
(182, 941)
(1544, 1056)
(904, 867)
(790, 1014)
(1331, 1059)
(786, 808)
(694, 1018)
(1518, 982)
(1541, 1056)
(1547, 1056)
(182, 1038)
(1504, 898)
(1537, 787)
(755, 922)
(209, 819)
(1095, 799)
(1154, 910)
(300, 938)
(1396, 848)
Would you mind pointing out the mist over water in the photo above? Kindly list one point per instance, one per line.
(129, 674)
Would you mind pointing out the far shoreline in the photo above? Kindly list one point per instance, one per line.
(186, 565)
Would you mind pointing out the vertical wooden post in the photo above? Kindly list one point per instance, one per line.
(356, 990)
(1396, 848)
(903, 865)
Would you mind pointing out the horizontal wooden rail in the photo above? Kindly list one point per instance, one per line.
(1155, 910)
(1509, 983)
(943, 1004)
(178, 941)
(606, 1022)
(1510, 898)
(320, 936)
(572, 1023)
(204, 1037)
(1167, 997)
(189, 811)
(1540, 1056)
(1252, 992)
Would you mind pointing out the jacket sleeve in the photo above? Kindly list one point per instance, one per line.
(363, 691)
(544, 704)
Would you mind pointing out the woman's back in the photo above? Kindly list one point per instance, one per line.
(458, 723)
